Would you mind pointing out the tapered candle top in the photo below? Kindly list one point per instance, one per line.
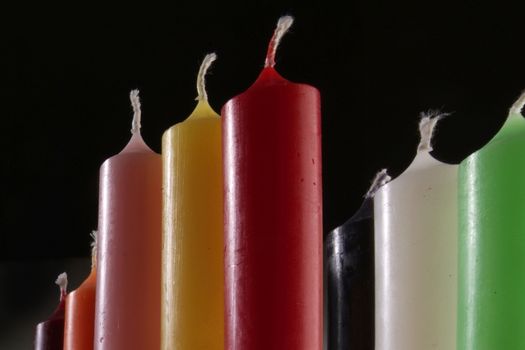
(518, 106)
(201, 76)
(514, 122)
(203, 108)
(427, 127)
(136, 143)
(283, 25)
(61, 281)
(379, 181)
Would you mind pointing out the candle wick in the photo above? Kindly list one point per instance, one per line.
(201, 76)
(137, 114)
(381, 179)
(427, 126)
(94, 248)
(61, 281)
(518, 105)
(283, 25)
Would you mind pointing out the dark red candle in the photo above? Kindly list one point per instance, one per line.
(50, 333)
(273, 213)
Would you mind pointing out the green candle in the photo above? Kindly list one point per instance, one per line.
(491, 300)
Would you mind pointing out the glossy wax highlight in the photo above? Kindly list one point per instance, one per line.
(349, 274)
(79, 322)
(491, 305)
(415, 218)
(127, 312)
(193, 259)
(273, 216)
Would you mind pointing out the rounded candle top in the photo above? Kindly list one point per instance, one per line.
(381, 179)
(514, 121)
(269, 76)
(136, 143)
(203, 108)
(61, 281)
(423, 158)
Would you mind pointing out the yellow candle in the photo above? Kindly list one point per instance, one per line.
(192, 257)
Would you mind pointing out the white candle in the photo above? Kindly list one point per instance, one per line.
(415, 253)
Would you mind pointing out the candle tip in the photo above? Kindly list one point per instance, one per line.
(135, 103)
(381, 179)
(518, 105)
(201, 76)
(427, 126)
(283, 25)
(61, 281)
(93, 235)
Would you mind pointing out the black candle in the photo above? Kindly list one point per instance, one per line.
(349, 269)
(49, 334)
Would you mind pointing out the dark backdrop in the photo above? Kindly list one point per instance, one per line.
(377, 65)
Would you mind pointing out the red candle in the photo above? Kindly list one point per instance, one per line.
(80, 310)
(50, 333)
(273, 213)
(127, 311)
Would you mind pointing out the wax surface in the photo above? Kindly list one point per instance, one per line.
(349, 261)
(50, 333)
(491, 301)
(193, 259)
(415, 257)
(273, 216)
(129, 250)
(80, 315)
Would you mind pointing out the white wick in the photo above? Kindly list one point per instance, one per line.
(61, 281)
(283, 25)
(201, 76)
(518, 105)
(93, 248)
(381, 179)
(427, 126)
(135, 103)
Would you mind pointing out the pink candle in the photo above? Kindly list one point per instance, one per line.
(127, 312)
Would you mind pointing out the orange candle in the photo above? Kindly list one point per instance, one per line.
(127, 311)
(80, 310)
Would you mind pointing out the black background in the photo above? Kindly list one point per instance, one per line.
(377, 64)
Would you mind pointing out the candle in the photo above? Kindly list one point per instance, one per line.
(193, 259)
(273, 213)
(80, 310)
(349, 266)
(50, 333)
(415, 253)
(127, 311)
(491, 299)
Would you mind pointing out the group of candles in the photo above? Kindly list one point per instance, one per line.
(433, 259)
(217, 243)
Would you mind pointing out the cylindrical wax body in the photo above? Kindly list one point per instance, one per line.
(127, 312)
(491, 300)
(80, 315)
(273, 216)
(415, 218)
(193, 259)
(50, 333)
(349, 265)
